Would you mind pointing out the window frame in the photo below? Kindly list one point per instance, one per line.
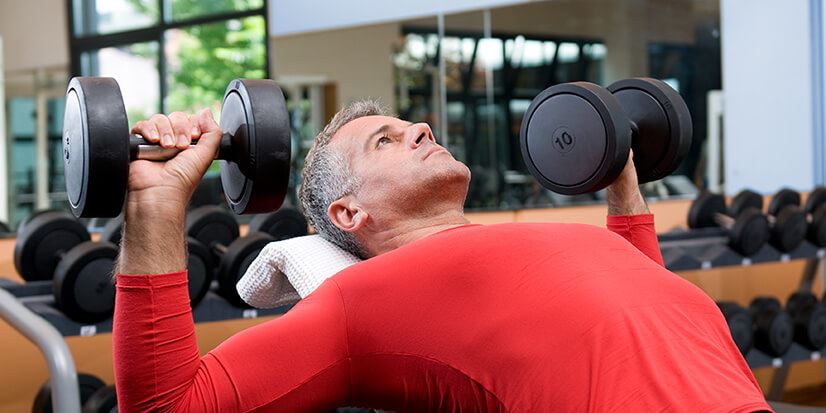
(154, 33)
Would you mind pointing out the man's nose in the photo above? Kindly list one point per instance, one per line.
(417, 134)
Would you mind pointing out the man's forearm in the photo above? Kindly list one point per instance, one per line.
(153, 239)
(626, 201)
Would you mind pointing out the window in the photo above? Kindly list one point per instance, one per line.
(171, 55)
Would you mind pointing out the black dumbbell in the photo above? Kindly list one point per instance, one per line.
(54, 245)
(739, 323)
(815, 209)
(809, 317)
(747, 232)
(104, 400)
(773, 327)
(576, 137)
(87, 386)
(216, 228)
(200, 271)
(285, 223)
(97, 146)
(787, 222)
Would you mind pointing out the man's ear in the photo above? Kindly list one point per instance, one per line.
(347, 214)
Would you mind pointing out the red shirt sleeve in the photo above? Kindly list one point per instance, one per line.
(639, 231)
(282, 364)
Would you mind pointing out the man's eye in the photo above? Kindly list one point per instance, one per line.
(383, 140)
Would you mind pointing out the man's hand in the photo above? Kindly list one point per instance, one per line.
(153, 237)
(624, 196)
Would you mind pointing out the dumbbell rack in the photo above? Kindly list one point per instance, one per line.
(31, 310)
(704, 249)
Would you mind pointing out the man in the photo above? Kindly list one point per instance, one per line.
(443, 316)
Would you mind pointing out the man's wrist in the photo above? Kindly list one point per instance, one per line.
(626, 201)
(153, 240)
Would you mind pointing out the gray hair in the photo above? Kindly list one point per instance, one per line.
(327, 177)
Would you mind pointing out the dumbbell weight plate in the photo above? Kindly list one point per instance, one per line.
(40, 242)
(84, 287)
(95, 147)
(816, 233)
(782, 199)
(774, 331)
(789, 228)
(200, 270)
(809, 320)
(212, 225)
(750, 232)
(743, 200)
(663, 122)
(702, 210)
(104, 400)
(87, 384)
(236, 260)
(255, 114)
(575, 138)
(815, 199)
(740, 325)
(282, 224)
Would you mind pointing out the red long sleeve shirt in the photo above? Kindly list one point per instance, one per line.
(511, 317)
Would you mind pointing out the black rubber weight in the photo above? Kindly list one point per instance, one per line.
(750, 232)
(815, 199)
(743, 200)
(43, 240)
(575, 138)
(663, 123)
(774, 328)
(95, 147)
(809, 318)
(789, 229)
(816, 233)
(200, 270)
(239, 255)
(87, 384)
(84, 287)
(282, 224)
(703, 209)
(212, 225)
(740, 325)
(782, 199)
(255, 114)
(104, 400)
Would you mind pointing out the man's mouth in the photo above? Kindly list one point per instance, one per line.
(432, 150)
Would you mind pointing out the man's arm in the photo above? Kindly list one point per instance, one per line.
(157, 364)
(628, 214)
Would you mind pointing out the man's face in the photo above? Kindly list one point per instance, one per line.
(400, 165)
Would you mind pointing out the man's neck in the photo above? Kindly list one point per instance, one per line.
(413, 229)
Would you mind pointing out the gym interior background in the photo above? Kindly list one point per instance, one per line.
(751, 73)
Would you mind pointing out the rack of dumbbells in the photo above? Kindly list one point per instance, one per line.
(741, 233)
(69, 287)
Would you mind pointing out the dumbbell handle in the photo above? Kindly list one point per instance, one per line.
(140, 148)
(723, 220)
(219, 249)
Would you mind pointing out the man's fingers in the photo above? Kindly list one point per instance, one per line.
(205, 121)
(164, 130)
(182, 129)
(211, 134)
(147, 130)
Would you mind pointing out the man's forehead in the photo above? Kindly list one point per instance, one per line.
(364, 126)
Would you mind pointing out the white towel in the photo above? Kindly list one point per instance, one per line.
(289, 270)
